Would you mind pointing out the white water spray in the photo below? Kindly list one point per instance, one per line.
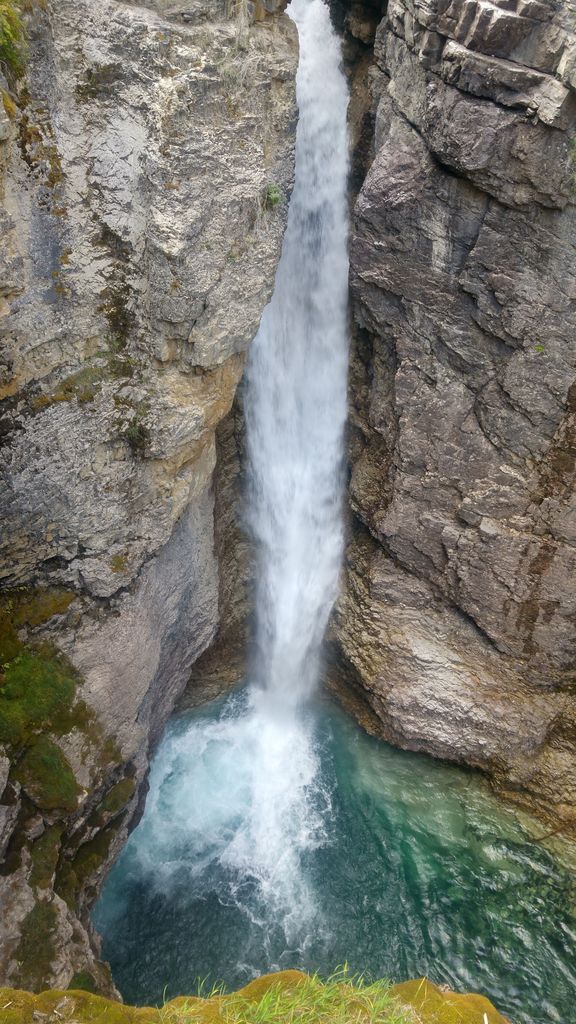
(238, 804)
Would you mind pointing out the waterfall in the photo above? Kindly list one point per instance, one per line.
(295, 399)
(237, 805)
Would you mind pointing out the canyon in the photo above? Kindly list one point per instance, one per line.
(145, 166)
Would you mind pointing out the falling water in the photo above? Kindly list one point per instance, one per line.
(242, 795)
(296, 393)
(295, 406)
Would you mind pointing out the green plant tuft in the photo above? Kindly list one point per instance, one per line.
(11, 39)
(137, 435)
(273, 196)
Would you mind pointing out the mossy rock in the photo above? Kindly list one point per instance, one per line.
(28, 607)
(44, 854)
(115, 800)
(435, 1006)
(36, 950)
(37, 689)
(74, 874)
(85, 982)
(272, 999)
(47, 778)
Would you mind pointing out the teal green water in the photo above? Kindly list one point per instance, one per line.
(404, 866)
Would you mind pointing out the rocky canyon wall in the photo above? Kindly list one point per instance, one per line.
(146, 162)
(458, 617)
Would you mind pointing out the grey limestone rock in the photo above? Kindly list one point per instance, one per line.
(463, 262)
(137, 253)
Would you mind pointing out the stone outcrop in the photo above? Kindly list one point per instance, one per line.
(458, 619)
(138, 249)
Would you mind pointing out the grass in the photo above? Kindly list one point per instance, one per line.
(294, 998)
(286, 998)
(11, 39)
(273, 196)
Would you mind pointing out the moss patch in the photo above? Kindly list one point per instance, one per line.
(84, 981)
(82, 386)
(118, 563)
(44, 854)
(11, 38)
(73, 875)
(114, 801)
(47, 778)
(35, 952)
(285, 998)
(24, 607)
(137, 435)
(434, 1005)
(37, 689)
(10, 108)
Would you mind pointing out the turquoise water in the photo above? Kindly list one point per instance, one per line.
(400, 866)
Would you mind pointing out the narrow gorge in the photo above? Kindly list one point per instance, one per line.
(208, 210)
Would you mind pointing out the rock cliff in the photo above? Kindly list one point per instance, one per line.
(145, 164)
(458, 617)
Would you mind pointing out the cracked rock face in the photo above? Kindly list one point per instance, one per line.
(459, 617)
(138, 249)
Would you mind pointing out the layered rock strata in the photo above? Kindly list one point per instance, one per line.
(458, 619)
(141, 165)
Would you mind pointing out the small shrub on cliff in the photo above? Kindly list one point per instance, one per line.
(11, 39)
(137, 435)
(273, 196)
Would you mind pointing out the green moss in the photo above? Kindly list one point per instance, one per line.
(118, 563)
(11, 38)
(44, 854)
(38, 606)
(35, 952)
(114, 801)
(47, 778)
(285, 998)
(82, 386)
(435, 1006)
(37, 689)
(84, 981)
(28, 608)
(73, 875)
(10, 108)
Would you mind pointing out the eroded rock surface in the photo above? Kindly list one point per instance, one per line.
(459, 616)
(139, 246)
